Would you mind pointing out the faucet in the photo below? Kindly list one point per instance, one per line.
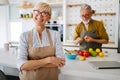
(14, 45)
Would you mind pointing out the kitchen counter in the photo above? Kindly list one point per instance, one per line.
(71, 44)
(107, 48)
(8, 62)
(83, 70)
(73, 70)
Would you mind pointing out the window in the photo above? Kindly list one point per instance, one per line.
(15, 31)
(15, 27)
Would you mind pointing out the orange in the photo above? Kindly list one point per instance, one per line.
(97, 50)
(101, 54)
(82, 58)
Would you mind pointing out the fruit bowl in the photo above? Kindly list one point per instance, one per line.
(71, 56)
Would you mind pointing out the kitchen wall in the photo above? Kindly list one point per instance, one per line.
(4, 22)
(27, 23)
(105, 11)
(70, 16)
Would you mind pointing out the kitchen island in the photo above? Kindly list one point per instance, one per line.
(73, 70)
(83, 70)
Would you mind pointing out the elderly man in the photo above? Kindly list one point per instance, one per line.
(89, 33)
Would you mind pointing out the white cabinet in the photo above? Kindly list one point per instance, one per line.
(109, 50)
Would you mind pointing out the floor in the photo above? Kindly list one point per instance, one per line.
(12, 77)
(7, 77)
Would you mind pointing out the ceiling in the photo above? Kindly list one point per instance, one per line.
(20, 1)
(14, 1)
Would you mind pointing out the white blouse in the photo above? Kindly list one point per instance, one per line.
(23, 44)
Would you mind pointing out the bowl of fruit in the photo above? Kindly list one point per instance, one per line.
(71, 54)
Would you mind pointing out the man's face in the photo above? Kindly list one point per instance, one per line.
(86, 15)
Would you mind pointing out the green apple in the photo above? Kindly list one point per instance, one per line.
(90, 50)
(93, 53)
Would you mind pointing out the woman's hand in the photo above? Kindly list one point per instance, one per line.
(59, 62)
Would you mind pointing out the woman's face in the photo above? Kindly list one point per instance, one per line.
(86, 15)
(40, 17)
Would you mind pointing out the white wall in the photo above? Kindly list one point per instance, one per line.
(31, 1)
(4, 17)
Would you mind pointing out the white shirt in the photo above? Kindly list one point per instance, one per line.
(23, 44)
(86, 24)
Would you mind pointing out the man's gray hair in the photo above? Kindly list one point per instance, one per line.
(86, 6)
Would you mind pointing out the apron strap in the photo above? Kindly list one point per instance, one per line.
(83, 27)
(30, 38)
(93, 29)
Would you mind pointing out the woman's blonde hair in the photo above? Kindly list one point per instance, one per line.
(43, 6)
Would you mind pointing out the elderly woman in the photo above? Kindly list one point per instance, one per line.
(40, 51)
(90, 33)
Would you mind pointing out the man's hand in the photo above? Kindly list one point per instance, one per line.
(78, 41)
(88, 39)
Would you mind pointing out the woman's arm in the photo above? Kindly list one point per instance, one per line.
(46, 62)
(90, 39)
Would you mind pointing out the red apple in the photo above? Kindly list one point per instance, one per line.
(81, 53)
(86, 54)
